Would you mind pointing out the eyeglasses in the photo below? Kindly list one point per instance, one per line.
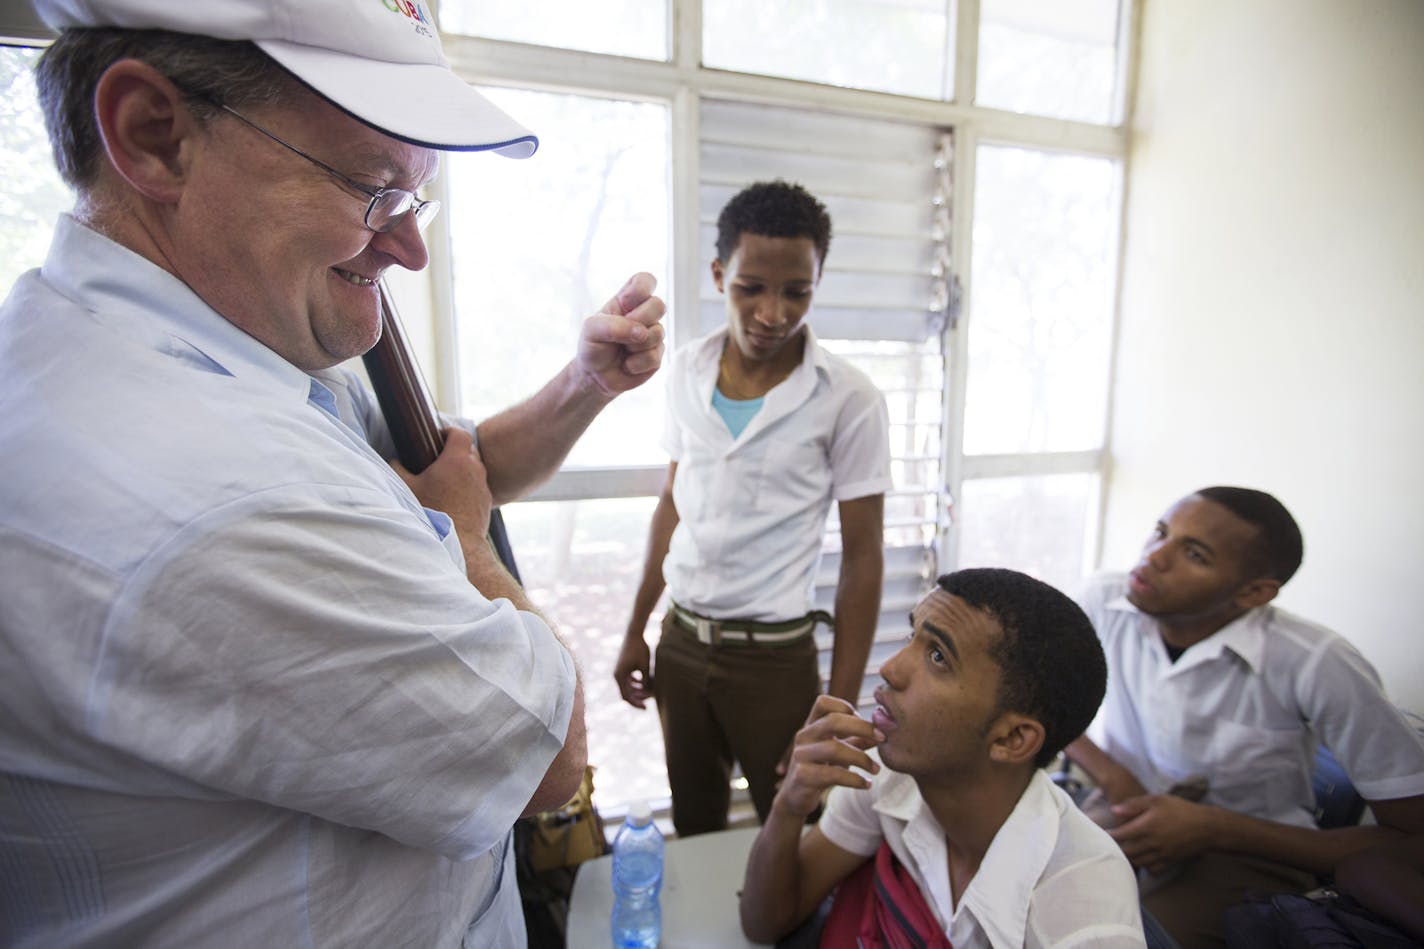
(388, 206)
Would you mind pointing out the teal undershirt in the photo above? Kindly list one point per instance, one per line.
(736, 413)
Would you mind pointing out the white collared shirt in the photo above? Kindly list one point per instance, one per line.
(752, 509)
(247, 695)
(1051, 877)
(1245, 707)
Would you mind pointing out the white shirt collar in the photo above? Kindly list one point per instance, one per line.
(1244, 636)
(784, 398)
(150, 304)
(999, 895)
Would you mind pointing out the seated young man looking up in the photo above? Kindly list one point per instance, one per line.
(1000, 672)
(1207, 680)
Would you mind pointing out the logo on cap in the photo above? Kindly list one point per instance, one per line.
(413, 10)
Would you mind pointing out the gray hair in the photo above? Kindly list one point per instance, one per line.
(204, 68)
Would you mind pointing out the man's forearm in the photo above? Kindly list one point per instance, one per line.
(857, 613)
(524, 445)
(1116, 782)
(565, 772)
(857, 593)
(1305, 847)
(488, 575)
(771, 893)
(561, 780)
(650, 588)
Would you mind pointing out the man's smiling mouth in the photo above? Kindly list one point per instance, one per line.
(354, 278)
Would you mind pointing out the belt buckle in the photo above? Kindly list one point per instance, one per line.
(709, 631)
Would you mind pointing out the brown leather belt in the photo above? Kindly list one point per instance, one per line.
(743, 632)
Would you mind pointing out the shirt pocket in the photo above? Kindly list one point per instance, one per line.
(1257, 770)
(795, 473)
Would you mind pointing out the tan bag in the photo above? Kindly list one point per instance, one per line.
(570, 835)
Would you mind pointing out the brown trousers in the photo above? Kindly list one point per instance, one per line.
(726, 703)
(1190, 905)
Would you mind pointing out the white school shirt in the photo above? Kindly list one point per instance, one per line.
(247, 696)
(752, 509)
(1051, 877)
(1245, 708)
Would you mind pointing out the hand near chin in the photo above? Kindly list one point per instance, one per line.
(622, 344)
(833, 740)
(1160, 830)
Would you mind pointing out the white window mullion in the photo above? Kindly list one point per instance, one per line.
(956, 337)
(1031, 463)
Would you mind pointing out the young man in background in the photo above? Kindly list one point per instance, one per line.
(1210, 682)
(765, 428)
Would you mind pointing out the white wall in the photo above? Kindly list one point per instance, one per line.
(1272, 329)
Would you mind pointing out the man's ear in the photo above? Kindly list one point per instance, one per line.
(145, 126)
(718, 274)
(1256, 593)
(1015, 739)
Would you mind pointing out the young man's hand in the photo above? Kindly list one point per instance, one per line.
(1159, 830)
(632, 670)
(833, 740)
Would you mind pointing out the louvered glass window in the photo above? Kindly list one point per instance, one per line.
(880, 303)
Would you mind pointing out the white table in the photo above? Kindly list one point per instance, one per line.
(701, 877)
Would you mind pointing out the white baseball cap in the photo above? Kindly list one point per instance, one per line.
(379, 60)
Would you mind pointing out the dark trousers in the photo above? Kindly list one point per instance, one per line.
(1190, 906)
(726, 703)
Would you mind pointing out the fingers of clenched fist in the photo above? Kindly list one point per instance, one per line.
(832, 742)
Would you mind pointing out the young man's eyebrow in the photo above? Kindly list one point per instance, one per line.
(1190, 541)
(1202, 545)
(943, 638)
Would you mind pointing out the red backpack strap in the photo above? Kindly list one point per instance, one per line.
(879, 906)
(854, 901)
(902, 914)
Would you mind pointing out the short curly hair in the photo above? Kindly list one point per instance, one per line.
(1278, 547)
(773, 209)
(1051, 664)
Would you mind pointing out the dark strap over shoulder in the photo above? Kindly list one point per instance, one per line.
(879, 906)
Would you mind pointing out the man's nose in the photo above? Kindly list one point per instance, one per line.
(892, 669)
(1159, 556)
(772, 314)
(405, 243)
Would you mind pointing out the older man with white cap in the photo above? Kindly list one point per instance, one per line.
(255, 689)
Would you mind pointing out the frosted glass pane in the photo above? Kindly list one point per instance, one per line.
(1049, 57)
(1039, 525)
(581, 562)
(898, 47)
(538, 245)
(621, 27)
(33, 195)
(1040, 325)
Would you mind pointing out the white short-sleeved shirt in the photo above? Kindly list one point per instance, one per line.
(1245, 708)
(1051, 877)
(247, 696)
(752, 509)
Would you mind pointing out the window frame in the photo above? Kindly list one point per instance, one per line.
(682, 82)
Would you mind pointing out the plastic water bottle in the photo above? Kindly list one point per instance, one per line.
(637, 881)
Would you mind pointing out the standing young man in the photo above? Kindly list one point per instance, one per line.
(765, 429)
(958, 826)
(1207, 679)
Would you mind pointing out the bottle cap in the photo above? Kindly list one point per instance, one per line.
(639, 813)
